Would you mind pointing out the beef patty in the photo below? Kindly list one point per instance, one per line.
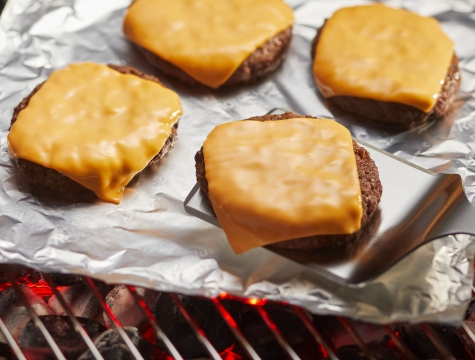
(261, 62)
(371, 191)
(401, 114)
(37, 174)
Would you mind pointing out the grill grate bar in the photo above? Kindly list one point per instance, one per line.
(468, 331)
(471, 335)
(436, 341)
(114, 321)
(36, 320)
(235, 330)
(11, 341)
(356, 338)
(199, 333)
(153, 322)
(77, 326)
(278, 335)
(403, 349)
(315, 333)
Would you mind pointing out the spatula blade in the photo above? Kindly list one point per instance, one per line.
(416, 206)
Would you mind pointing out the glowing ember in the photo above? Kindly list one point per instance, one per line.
(255, 301)
(40, 288)
(324, 352)
(149, 334)
(228, 354)
(251, 301)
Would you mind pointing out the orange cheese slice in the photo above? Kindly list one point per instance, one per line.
(384, 54)
(95, 125)
(207, 39)
(279, 180)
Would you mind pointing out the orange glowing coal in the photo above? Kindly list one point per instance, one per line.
(251, 301)
(40, 288)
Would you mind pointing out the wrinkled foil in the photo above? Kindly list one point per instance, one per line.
(149, 239)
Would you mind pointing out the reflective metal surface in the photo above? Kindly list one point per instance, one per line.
(417, 206)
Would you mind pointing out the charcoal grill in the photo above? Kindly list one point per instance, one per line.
(400, 349)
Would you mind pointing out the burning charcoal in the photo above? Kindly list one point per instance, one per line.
(470, 313)
(369, 333)
(415, 338)
(67, 279)
(332, 329)
(126, 309)
(31, 275)
(353, 352)
(181, 335)
(5, 353)
(81, 301)
(111, 346)
(7, 298)
(289, 323)
(15, 271)
(7, 301)
(262, 339)
(466, 340)
(61, 329)
(310, 351)
(14, 313)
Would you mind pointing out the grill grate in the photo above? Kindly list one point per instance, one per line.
(400, 349)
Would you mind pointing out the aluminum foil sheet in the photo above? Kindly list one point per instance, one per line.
(149, 239)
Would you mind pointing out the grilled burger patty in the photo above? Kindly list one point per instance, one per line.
(397, 113)
(261, 62)
(37, 174)
(371, 191)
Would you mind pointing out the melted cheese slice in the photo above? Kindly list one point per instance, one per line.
(384, 54)
(95, 125)
(279, 180)
(207, 39)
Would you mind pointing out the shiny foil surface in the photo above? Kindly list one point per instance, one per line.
(149, 239)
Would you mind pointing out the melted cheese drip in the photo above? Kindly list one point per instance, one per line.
(384, 54)
(95, 125)
(279, 180)
(207, 39)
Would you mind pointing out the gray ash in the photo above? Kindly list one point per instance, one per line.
(13, 312)
(67, 279)
(81, 301)
(61, 329)
(124, 307)
(111, 346)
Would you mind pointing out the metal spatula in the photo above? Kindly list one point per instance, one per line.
(417, 206)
